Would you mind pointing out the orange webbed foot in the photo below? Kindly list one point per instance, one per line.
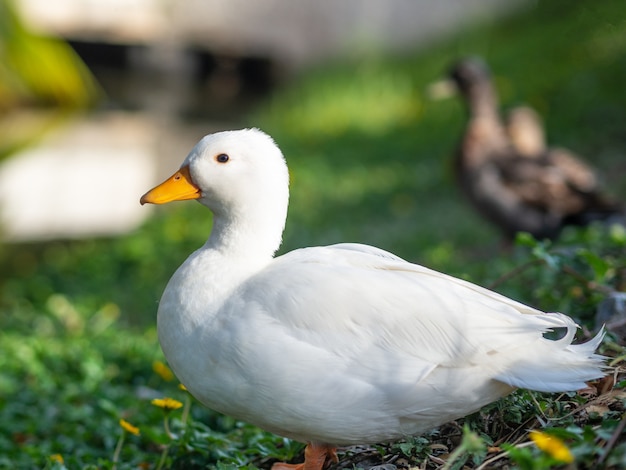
(315, 457)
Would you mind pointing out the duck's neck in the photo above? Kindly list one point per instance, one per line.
(485, 136)
(482, 102)
(249, 237)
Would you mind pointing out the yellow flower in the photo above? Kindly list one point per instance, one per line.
(163, 371)
(182, 387)
(58, 458)
(167, 403)
(551, 445)
(126, 426)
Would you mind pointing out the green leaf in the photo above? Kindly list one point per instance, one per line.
(599, 265)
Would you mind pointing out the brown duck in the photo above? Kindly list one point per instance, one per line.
(509, 174)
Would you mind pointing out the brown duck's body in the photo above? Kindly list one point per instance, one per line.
(509, 174)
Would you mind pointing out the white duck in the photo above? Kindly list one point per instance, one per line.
(342, 344)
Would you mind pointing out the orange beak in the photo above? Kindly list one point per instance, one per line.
(178, 187)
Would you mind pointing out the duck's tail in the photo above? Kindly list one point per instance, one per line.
(557, 365)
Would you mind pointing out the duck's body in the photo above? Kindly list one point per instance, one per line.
(511, 176)
(322, 340)
(342, 344)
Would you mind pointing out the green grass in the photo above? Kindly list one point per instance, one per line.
(369, 155)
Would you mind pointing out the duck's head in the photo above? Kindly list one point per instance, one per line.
(470, 73)
(230, 172)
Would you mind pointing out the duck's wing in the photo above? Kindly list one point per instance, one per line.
(360, 302)
(558, 183)
(538, 183)
(513, 200)
(578, 174)
(592, 202)
(327, 339)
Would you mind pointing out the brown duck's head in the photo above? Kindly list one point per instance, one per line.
(470, 73)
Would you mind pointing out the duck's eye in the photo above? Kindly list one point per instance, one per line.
(222, 158)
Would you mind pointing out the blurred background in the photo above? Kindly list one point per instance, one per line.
(155, 75)
(101, 99)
